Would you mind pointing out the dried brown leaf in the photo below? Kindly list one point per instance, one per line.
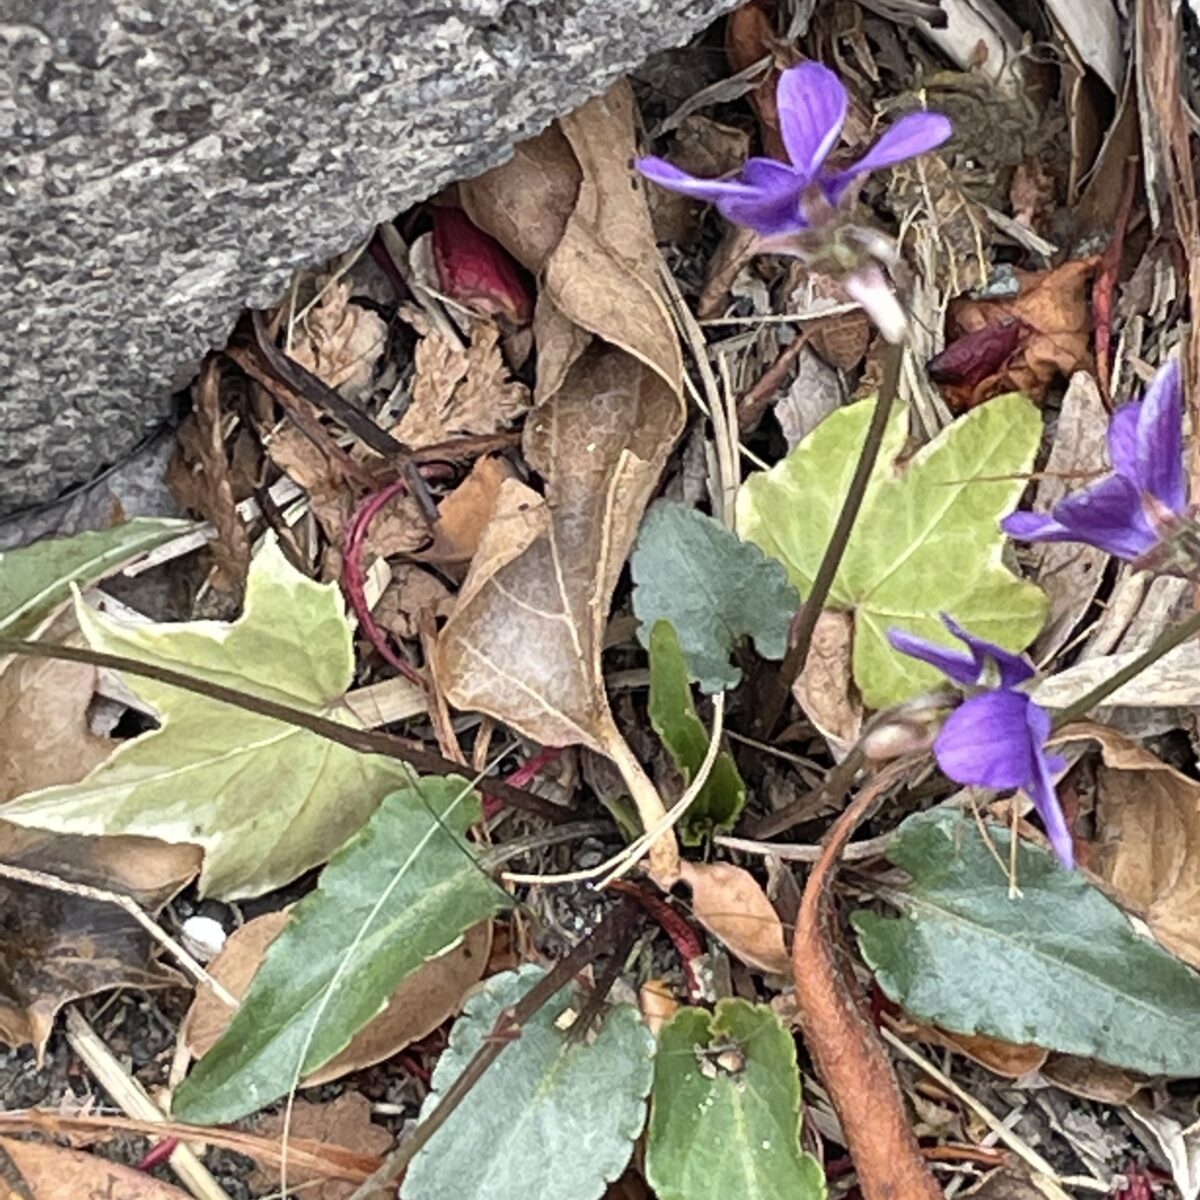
(417, 1007)
(44, 714)
(344, 1122)
(731, 905)
(825, 689)
(1148, 839)
(56, 947)
(303, 462)
(526, 202)
(459, 392)
(524, 642)
(1092, 1080)
(341, 342)
(37, 1171)
(1001, 1058)
(464, 513)
(1053, 309)
(604, 273)
(411, 591)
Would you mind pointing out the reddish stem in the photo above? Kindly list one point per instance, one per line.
(533, 766)
(158, 1154)
(354, 577)
(682, 935)
(1104, 289)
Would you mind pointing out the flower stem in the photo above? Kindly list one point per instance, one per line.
(1163, 644)
(806, 624)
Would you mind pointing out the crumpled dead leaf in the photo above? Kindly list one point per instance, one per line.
(1180, 1146)
(1147, 844)
(1069, 572)
(56, 947)
(476, 271)
(417, 1007)
(1092, 1080)
(344, 1122)
(523, 644)
(456, 391)
(48, 1172)
(340, 342)
(464, 513)
(1001, 1058)
(411, 591)
(825, 689)
(1052, 308)
(731, 905)
(1171, 682)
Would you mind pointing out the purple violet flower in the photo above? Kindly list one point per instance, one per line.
(776, 199)
(997, 738)
(1125, 512)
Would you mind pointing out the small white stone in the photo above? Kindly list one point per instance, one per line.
(202, 937)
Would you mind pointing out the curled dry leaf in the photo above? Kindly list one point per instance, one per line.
(1001, 1058)
(1052, 312)
(523, 644)
(457, 391)
(1092, 1080)
(411, 592)
(825, 689)
(1148, 839)
(35, 1171)
(729, 903)
(477, 271)
(464, 514)
(340, 342)
(417, 1007)
(344, 1122)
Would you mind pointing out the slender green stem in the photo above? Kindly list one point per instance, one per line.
(365, 741)
(1163, 644)
(773, 703)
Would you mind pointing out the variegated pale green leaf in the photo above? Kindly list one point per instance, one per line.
(927, 539)
(266, 801)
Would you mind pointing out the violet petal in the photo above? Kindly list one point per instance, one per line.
(954, 664)
(1160, 439)
(1041, 790)
(1014, 668)
(986, 741)
(1036, 527)
(812, 104)
(1108, 515)
(1122, 439)
(913, 134)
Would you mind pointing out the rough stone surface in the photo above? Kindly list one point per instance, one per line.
(163, 164)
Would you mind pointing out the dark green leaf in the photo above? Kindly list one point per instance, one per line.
(725, 1114)
(1058, 966)
(714, 589)
(674, 718)
(400, 892)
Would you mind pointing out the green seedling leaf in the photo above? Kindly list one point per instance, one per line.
(266, 801)
(714, 589)
(36, 579)
(674, 718)
(927, 539)
(725, 1114)
(402, 891)
(1058, 966)
(553, 1117)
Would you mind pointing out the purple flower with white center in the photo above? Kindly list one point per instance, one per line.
(1127, 512)
(777, 199)
(997, 738)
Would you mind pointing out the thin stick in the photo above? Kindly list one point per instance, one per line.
(1163, 644)
(507, 1026)
(52, 883)
(806, 624)
(832, 791)
(134, 1100)
(365, 741)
